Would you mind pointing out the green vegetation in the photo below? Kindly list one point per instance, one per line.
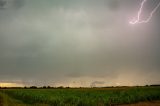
(81, 96)
(5, 100)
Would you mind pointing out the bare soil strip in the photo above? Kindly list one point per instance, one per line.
(152, 103)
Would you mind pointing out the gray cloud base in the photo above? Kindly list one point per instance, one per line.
(46, 42)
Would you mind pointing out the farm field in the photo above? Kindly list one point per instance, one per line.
(79, 96)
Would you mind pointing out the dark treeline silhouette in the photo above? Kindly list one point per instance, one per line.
(62, 87)
(155, 85)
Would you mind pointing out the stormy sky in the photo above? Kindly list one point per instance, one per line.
(78, 43)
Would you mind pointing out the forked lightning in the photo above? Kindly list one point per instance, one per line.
(137, 20)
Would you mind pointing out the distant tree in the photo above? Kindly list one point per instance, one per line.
(33, 87)
(61, 87)
(48, 87)
(44, 87)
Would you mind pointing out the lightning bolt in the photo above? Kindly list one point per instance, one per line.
(138, 20)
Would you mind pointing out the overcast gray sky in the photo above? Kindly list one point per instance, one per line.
(78, 43)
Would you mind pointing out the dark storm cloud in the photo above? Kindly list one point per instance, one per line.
(114, 4)
(61, 41)
(18, 3)
(11, 4)
(2, 3)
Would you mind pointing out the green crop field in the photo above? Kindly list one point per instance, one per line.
(78, 97)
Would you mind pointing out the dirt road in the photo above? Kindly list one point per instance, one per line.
(153, 103)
